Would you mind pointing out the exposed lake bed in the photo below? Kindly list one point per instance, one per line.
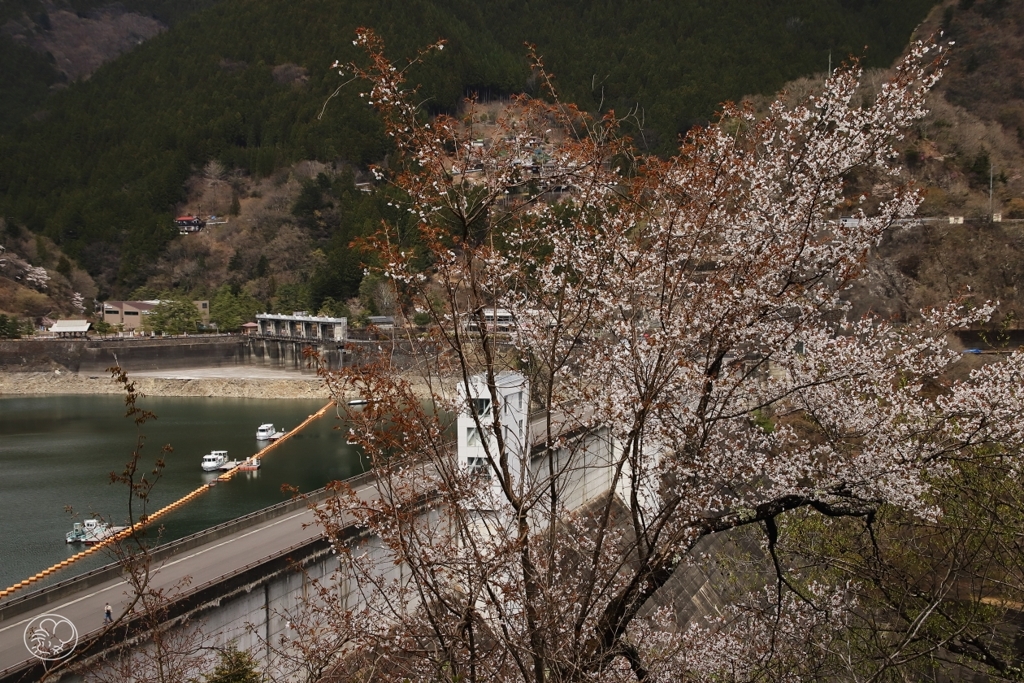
(228, 382)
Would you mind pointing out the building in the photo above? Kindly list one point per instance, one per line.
(187, 224)
(476, 434)
(129, 315)
(496, 320)
(70, 329)
(126, 314)
(301, 326)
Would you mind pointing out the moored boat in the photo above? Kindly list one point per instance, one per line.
(267, 432)
(213, 460)
(91, 531)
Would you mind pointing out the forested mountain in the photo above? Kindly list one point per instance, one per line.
(100, 167)
(167, 11)
(45, 44)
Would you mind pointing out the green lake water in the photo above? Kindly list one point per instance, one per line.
(57, 452)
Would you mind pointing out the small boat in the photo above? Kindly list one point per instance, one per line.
(266, 432)
(213, 460)
(358, 402)
(250, 465)
(91, 531)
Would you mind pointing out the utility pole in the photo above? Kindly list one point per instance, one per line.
(990, 214)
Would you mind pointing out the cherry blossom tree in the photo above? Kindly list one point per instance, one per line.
(688, 312)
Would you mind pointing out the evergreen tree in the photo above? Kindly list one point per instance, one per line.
(173, 316)
(10, 327)
(235, 667)
(290, 298)
(230, 311)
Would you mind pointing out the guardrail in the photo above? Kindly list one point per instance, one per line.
(113, 337)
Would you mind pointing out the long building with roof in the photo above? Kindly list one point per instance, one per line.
(300, 326)
(70, 329)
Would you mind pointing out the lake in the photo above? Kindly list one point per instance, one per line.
(57, 452)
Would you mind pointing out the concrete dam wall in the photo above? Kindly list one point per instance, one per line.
(94, 356)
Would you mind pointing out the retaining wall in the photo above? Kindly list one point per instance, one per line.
(94, 356)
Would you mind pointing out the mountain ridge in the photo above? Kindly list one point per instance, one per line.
(101, 172)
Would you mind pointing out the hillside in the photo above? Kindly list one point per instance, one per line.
(44, 45)
(232, 131)
(100, 169)
(974, 132)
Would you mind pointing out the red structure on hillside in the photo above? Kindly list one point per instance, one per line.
(187, 224)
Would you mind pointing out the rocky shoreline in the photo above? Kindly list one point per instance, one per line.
(62, 382)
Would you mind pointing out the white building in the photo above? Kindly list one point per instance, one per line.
(301, 326)
(478, 426)
(495, 320)
(70, 329)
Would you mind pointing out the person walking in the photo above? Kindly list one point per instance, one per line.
(108, 614)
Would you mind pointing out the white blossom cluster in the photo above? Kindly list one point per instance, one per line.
(37, 277)
(689, 308)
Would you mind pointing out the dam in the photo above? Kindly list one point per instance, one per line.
(94, 356)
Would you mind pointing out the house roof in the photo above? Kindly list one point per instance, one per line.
(71, 326)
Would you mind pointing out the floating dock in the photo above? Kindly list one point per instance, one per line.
(247, 465)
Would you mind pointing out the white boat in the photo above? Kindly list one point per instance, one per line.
(266, 432)
(91, 531)
(213, 460)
